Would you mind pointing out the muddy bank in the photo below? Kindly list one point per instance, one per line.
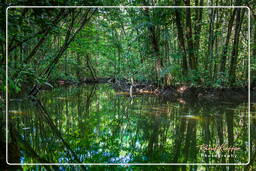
(124, 87)
(75, 82)
(186, 92)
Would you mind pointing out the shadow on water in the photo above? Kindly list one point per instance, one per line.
(94, 124)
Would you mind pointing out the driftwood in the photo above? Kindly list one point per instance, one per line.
(123, 87)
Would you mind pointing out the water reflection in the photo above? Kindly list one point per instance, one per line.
(94, 124)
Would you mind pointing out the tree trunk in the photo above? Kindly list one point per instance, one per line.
(44, 37)
(189, 36)
(154, 39)
(225, 48)
(78, 69)
(69, 37)
(198, 25)
(209, 56)
(92, 70)
(233, 63)
(179, 25)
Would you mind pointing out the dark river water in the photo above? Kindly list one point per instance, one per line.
(96, 124)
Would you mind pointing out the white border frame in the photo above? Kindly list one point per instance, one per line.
(249, 75)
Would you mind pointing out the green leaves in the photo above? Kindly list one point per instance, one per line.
(14, 86)
(143, 43)
(172, 69)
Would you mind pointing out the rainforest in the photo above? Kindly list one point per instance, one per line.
(129, 82)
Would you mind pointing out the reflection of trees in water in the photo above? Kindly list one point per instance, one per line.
(187, 138)
(190, 142)
(230, 127)
(41, 132)
(103, 125)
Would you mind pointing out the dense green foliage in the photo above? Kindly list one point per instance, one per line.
(207, 47)
(198, 47)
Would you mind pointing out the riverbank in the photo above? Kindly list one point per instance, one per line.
(187, 91)
(124, 87)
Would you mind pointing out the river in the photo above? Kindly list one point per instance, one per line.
(96, 124)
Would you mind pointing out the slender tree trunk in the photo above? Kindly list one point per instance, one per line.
(154, 39)
(92, 70)
(78, 69)
(225, 48)
(233, 63)
(44, 37)
(40, 41)
(180, 30)
(198, 26)
(217, 41)
(209, 56)
(156, 50)
(69, 37)
(189, 37)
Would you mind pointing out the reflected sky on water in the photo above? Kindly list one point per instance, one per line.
(96, 124)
